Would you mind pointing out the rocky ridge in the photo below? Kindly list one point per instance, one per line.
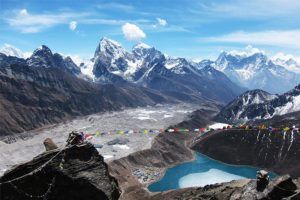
(76, 172)
(258, 104)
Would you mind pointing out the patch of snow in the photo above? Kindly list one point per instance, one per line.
(171, 63)
(218, 125)
(87, 69)
(291, 106)
(133, 66)
(248, 51)
(107, 156)
(121, 146)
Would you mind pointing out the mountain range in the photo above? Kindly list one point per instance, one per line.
(44, 87)
(48, 87)
(148, 67)
(260, 105)
(250, 68)
(254, 70)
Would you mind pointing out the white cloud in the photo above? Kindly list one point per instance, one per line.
(116, 6)
(132, 32)
(73, 25)
(31, 23)
(280, 38)
(161, 22)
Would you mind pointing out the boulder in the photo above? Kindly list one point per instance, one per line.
(49, 144)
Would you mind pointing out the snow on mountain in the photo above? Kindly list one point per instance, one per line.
(43, 57)
(148, 67)
(10, 50)
(249, 51)
(258, 104)
(288, 61)
(253, 69)
(142, 66)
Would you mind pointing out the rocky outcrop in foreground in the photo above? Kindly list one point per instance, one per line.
(74, 173)
(282, 188)
(276, 151)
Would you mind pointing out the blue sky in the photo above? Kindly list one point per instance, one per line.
(192, 29)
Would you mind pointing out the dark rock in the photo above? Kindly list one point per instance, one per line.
(281, 188)
(274, 150)
(83, 175)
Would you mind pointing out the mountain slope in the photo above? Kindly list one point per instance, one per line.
(257, 104)
(255, 70)
(148, 67)
(273, 151)
(32, 96)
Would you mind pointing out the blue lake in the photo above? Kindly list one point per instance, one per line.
(200, 172)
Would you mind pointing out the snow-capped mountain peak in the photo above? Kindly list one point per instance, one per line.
(253, 69)
(10, 50)
(109, 47)
(141, 45)
(258, 104)
(247, 52)
(289, 62)
(42, 50)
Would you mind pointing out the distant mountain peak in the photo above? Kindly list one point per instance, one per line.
(141, 45)
(247, 52)
(42, 50)
(110, 47)
(10, 50)
(258, 104)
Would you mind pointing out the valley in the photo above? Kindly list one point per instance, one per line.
(24, 148)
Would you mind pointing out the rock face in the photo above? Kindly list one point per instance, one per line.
(275, 151)
(83, 175)
(257, 104)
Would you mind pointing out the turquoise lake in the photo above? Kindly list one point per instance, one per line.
(200, 172)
